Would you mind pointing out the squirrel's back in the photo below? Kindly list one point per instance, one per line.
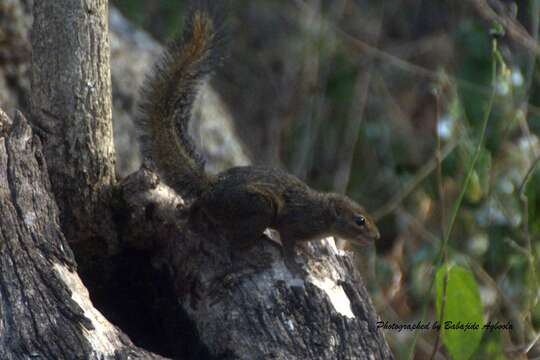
(169, 93)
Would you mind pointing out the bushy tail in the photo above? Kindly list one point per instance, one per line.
(169, 93)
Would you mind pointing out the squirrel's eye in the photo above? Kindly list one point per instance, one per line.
(360, 220)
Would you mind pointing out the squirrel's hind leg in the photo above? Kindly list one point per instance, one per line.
(242, 213)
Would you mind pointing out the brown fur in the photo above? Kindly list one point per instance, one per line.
(242, 201)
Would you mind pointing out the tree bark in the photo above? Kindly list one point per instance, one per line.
(45, 311)
(248, 305)
(71, 107)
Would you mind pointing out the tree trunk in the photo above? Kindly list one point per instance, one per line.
(172, 289)
(45, 311)
(248, 305)
(71, 107)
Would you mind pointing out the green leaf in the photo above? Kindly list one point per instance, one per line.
(497, 30)
(474, 191)
(479, 182)
(462, 306)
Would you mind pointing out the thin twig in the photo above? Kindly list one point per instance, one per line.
(422, 174)
(507, 303)
(443, 219)
(457, 204)
(528, 175)
(514, 29)
(532, 296)
(356, 117)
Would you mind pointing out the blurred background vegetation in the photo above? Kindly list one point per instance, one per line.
(388, 101)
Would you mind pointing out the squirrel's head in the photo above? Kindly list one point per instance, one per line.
(351, 221)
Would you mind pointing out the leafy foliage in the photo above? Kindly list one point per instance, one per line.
(462, 308)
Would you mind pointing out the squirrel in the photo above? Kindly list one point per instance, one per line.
(242, 201)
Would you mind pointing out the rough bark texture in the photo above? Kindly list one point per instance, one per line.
(45, 311)
(249, 306)
(71, 107)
